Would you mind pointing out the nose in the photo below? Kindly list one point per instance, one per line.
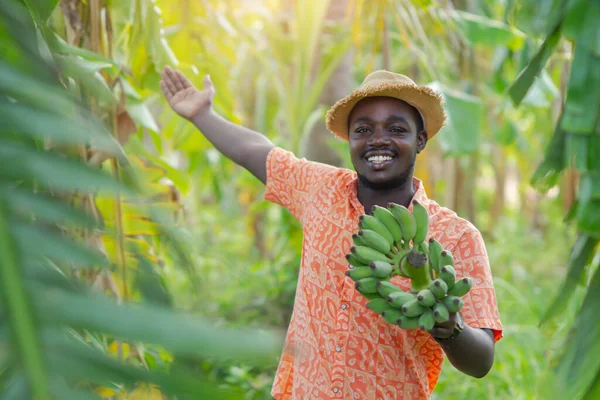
(379, 137)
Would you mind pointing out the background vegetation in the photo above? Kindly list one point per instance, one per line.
(136, 262)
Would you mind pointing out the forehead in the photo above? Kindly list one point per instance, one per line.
(380, 108)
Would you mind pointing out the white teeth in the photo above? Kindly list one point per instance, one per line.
(379, 158)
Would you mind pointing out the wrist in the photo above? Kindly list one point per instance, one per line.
(202, 116)
(458, 332)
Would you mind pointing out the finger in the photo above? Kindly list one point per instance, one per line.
(169, 81)
(165, 90)
(183, 81)
(207, 82)
(175, 80)
(442, 333)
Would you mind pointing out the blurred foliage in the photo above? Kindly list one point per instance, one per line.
(196, 234)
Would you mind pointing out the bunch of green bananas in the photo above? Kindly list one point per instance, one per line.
(383, 249)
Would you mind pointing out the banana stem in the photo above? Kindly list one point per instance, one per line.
(417, 266)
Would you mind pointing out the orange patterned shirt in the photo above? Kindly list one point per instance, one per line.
(336, 348)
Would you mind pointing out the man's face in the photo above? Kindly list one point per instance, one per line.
(384, 140)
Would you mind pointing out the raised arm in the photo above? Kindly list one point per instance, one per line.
(243, 146)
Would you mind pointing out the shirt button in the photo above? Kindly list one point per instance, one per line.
(335, 390)
(344, 306)
(338, 349)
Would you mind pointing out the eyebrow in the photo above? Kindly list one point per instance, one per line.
(392, 118)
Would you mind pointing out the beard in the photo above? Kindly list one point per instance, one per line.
(396, 182)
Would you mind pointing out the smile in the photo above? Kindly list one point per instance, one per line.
(379, 160)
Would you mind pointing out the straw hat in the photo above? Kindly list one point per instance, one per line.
(427, 101)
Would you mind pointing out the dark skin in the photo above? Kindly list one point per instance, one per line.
(394, 128)
(383, 126)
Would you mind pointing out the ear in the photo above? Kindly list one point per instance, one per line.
(421, 141)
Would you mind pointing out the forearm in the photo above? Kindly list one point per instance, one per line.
(243, 146)
(472, 352)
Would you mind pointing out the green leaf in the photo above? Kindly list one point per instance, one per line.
(45, 208)
(86, 73)
(583, 93)
(577, 149)
(481, 30)
(16, 302)
(581, 253)
(178, 333)
(42, 94)
(519, 88)
(51, 170)
(58, 45)
(35, 241)
(77, 360)
(461, 134)
(576, 14)
(44, 125)
(588, 216)
(579, 365)
(41, 9)
(141, 115)
(151, 285)
(547, 173)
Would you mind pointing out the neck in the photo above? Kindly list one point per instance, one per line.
(401, 194)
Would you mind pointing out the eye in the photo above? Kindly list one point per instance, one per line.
(361, 130)
(397, 129)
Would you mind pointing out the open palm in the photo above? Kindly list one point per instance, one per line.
(183, 97)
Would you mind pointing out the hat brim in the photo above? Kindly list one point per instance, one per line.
(426, 100)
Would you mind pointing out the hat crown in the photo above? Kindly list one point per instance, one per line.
(383, 76)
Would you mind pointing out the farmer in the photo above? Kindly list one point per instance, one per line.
(335, 347)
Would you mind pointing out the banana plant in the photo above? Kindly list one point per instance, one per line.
(576, 142)
(54, 327)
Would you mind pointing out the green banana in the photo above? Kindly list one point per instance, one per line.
(426, 298)
(439, 288)
(374, 240)
(367, 285)
(386, 288)
(387, 218)
(423, 247)
(446, 258)
(378, 305)
(408, 225)
(398, 299)
(357, 240)
(426, 320)
(417, 267)
(354, 262)
(435, 251)
(412, 308)
(373, 224)
(453, 303)
(422, 220)
(359, 273)
(381, 269)
(448, 274)
(391, 316)
(367, 255)
(440, 313)
(461, 287)
(408, 322)
(370, 296)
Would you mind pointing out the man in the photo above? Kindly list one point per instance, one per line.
(335, 347)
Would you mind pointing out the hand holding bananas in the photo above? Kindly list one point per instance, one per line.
(382, 249)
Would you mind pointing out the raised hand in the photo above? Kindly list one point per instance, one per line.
(183, 97)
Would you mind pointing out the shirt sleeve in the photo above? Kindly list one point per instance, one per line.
(471, 260)
(292, 182)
